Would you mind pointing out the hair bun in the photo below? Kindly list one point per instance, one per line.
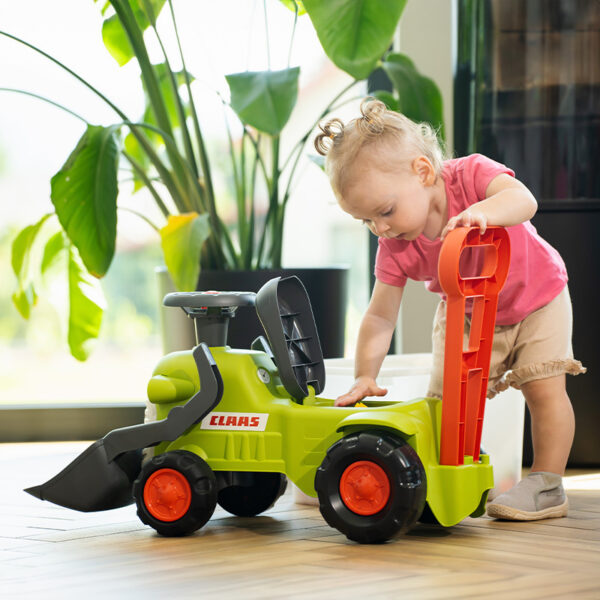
(331, 133)
(372, 111)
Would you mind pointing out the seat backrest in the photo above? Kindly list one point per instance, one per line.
(285, 312)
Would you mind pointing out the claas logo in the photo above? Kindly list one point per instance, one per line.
(235, 421)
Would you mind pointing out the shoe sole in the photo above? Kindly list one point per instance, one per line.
(499, 511)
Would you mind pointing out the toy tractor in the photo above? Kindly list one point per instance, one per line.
(234, 424)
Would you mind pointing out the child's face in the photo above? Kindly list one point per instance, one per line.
(393, 204)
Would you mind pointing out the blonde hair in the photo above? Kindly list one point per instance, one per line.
(378, 128)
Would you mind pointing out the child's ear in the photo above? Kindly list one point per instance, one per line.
(424, 170)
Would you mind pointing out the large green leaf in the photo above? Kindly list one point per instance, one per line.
(86, 307)
(114, 36)
(25, 296)
(264, 99)
(52, 251)
(418, 97)
(25, 299)
(182, 238)
(84, 193)
(355, 34)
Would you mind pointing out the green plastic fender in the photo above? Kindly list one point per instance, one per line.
(453, 492)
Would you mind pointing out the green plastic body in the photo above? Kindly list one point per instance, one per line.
(293, 438)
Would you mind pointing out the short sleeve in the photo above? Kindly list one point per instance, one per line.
(387, 269)
(481, 170)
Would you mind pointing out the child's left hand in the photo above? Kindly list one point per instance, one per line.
(467, 218)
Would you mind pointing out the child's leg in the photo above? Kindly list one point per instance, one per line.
(541, 495)
(552, 423)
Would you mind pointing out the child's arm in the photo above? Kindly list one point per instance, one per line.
(374, 336)
(507, 202)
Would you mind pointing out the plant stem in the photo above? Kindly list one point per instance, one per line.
(237, 183)
(300, 145)
(142, 175)
(293, 33)
(256, 144)
(247, 256)
(164, 173)
(270, 224)
(217, 257)
(180, 109)
(136, 39)
(44, 99)
(141, 216)
(62, 66)
(324, 113)
(267, 35)
(181, 200)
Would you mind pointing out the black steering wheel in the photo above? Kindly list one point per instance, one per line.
(210, 312)
(203, 300)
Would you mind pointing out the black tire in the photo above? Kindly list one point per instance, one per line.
(201, 494)
(405, 476)
(251, 500)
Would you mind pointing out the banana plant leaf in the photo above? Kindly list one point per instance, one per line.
(114, 37)
(355, 34)
(264, 99)
(25, 297)
(84, 194)
(418, 97)
(86, 307)
(182, 239)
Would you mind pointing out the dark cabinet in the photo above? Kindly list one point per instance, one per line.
(527, 93)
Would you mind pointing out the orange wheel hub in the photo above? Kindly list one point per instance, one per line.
(167, 495)
(364, 487)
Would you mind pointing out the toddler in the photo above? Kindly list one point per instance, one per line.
(390, 173)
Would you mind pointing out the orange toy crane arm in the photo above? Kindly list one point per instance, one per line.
(466, 370)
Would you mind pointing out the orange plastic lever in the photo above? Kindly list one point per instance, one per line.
(466, 370)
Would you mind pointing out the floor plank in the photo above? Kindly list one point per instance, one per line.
(289, 552)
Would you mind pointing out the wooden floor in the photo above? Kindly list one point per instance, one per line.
(51, 552)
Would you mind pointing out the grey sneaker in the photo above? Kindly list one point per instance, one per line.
(539, 496)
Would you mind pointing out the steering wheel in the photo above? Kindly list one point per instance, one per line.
(202, 300)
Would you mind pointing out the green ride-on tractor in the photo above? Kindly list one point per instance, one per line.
(233, 425)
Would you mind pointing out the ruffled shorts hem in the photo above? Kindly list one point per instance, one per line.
(536, 371)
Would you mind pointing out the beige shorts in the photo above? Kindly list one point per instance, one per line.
(536, 348)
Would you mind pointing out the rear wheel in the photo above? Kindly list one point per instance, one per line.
(252, 493)
(371, 486)
(175, 493)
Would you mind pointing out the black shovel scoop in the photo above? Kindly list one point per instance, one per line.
(101, 477)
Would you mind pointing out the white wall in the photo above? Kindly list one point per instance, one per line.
(426, 36)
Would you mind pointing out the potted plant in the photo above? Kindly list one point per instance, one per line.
(168, 156)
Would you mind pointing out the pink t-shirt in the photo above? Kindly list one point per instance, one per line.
(537, 272)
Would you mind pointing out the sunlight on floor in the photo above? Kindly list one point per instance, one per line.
(589, 481)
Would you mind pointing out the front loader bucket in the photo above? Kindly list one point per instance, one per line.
(101, 477)
(91, 482)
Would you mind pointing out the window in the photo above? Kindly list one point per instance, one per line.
(36, 138)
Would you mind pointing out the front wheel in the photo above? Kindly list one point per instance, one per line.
(176, 493)
(371, 486)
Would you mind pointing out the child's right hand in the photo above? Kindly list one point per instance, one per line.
(363, 387)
